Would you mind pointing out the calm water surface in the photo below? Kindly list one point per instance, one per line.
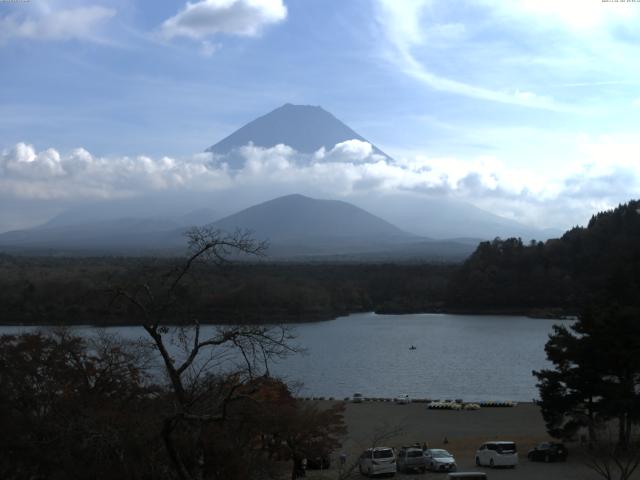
(473, 357)
(457, 356)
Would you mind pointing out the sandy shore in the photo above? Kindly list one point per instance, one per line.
(464, 431)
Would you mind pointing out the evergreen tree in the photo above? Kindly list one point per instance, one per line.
(596, 374)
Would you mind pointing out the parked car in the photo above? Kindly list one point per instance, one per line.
(357, 398)
(411, 459)
(548, 452)
(377, 461)
(402, 399)
(439, 460)
(467, 476)
(497, 454)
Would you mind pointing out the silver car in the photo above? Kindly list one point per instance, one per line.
(439, 460)
(411, 459)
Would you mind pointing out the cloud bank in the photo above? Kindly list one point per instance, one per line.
(609, 174)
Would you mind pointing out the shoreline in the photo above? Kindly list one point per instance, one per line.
(423, 401)
(539, 314)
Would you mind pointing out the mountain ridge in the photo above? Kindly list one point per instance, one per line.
(294, 226)
(297, 216)
(305, 128)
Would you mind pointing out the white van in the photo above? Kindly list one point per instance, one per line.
(377, 461)
(497, 454)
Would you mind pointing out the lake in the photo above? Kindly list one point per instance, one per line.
(473, 357)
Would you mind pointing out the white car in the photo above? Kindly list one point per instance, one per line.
(403, 399)
(377, 461)
(497, 454)
(357, 398)
(439, 460)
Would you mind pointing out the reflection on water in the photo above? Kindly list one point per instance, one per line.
(473, 357)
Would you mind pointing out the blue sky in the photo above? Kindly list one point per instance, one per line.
(526, 108)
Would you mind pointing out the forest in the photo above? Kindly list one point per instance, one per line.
(587, 264)
(45, 290)
(502, 276)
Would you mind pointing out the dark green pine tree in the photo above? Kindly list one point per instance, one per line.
(596, 374)
(569, 392)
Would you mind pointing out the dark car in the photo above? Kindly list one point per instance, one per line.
(548, 452)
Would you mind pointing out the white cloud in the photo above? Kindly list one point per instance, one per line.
(407, 30)
(574, 14)
(25, 173)
(74, 23)
(207, 18)
(514, 52)
(24, 162)
(608, 173)
(514, 97)
(352, 151)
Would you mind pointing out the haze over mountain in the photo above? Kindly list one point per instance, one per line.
(299, 226)
(310, 128)
(126, 235)
(319, 143)
(446, 218)
(297, 218)
(119, 212)
(294, 226)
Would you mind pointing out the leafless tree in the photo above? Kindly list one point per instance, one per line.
(610, 460)
(201, 397)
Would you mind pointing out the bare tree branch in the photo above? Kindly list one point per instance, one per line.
(257, 345)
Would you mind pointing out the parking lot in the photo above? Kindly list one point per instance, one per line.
(394, 425)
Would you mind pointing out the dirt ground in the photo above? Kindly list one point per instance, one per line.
(464, 432)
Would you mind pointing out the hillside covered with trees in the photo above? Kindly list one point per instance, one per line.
(40, 290)
(502, 276)
(599, 260)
